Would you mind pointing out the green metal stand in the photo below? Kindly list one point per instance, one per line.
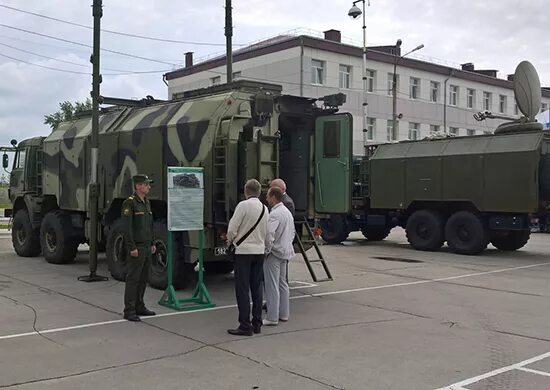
(200, 299)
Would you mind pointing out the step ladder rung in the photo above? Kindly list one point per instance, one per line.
(311, 240)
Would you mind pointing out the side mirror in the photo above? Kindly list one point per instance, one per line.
(13, 142)
(5, 161)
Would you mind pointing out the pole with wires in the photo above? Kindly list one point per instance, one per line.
(228, 40)
(93, 189)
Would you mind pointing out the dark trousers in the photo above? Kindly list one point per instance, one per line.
(136, 280)
(248, 283)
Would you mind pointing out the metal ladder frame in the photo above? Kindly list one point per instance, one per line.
(320, 259)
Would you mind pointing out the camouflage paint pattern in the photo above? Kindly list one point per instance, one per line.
(147, 140)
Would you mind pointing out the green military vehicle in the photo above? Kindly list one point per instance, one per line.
(235, 132)
(467, 191)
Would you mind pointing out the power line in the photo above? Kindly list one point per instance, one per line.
(43, 44)
(119, 71)
(44, 66)
(86, 45)
(116, 32)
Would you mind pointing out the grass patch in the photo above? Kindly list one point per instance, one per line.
(3, 226)
(5, 205)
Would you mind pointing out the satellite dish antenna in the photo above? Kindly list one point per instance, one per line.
(527, 90)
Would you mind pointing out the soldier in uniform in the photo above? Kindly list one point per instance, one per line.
(138, 236)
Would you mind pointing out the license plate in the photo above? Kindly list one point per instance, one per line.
(220, 251)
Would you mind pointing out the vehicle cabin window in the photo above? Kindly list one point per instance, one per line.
(331, 139)
(19, 160)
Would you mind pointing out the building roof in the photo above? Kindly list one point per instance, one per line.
(284, 42)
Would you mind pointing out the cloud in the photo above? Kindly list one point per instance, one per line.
(492, 34)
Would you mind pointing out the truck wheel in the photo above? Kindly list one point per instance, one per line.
(218, 267)
(25, 239)
(158, 273)
(57, 243)
(425, 230)
(466, 234)
(378, 233)
(116, 251)
(510, 240)
(334, 229)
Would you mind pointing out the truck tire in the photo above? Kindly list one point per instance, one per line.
(183, 272)
(424, 230)
(58, 245)
(218, 267)
(377, 233)
(510, 240)
(334, 229)
(466, 234)
(25, 239)
(116, 251)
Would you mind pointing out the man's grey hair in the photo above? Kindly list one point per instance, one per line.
(253, 188)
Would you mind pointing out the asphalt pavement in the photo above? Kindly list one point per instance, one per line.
(393, 318)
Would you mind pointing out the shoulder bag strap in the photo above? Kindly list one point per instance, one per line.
(248, 233)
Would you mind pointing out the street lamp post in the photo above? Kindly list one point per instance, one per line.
(394, 83)
(354, 12)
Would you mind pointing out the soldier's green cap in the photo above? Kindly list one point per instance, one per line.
(139, 178)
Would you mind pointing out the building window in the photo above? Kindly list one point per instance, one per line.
(487, 101)
(390, 84)
(471, 98)
(216, 80)
(434, 91)
(345, 76)
(470, 132)
(516, 109)
(390, 135)
(434, 128)
(414, 131)
(236, 75)
(317, 72)
(414, 89)
(543, 107)
(371, 128)
(371, 74)
(502, 104)
(453, 95)
(453, 130)
(487, 132)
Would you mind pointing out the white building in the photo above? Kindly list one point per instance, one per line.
(312, 66)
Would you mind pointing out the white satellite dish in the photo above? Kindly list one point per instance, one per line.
(527, 89)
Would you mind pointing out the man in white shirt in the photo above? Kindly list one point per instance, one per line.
(279, 249)
(247, 231)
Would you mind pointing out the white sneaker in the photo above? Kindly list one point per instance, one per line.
(283, 319)
(270, 323)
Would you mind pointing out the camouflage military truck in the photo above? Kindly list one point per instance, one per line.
(466, 191)
(235, 132)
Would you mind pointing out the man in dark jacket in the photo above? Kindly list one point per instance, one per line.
(287, 200)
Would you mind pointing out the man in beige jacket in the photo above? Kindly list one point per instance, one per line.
(247, 232)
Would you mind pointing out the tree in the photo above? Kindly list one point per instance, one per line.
(67, 111)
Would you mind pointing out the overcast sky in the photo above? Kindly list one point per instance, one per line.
(495, 34)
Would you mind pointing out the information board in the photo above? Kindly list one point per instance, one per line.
(185, 186)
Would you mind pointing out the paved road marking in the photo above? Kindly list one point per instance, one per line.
(299, 284)
(543, 373)
(517, 366)
(90, 325)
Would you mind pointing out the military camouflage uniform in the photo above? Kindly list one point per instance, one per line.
(138, 234)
